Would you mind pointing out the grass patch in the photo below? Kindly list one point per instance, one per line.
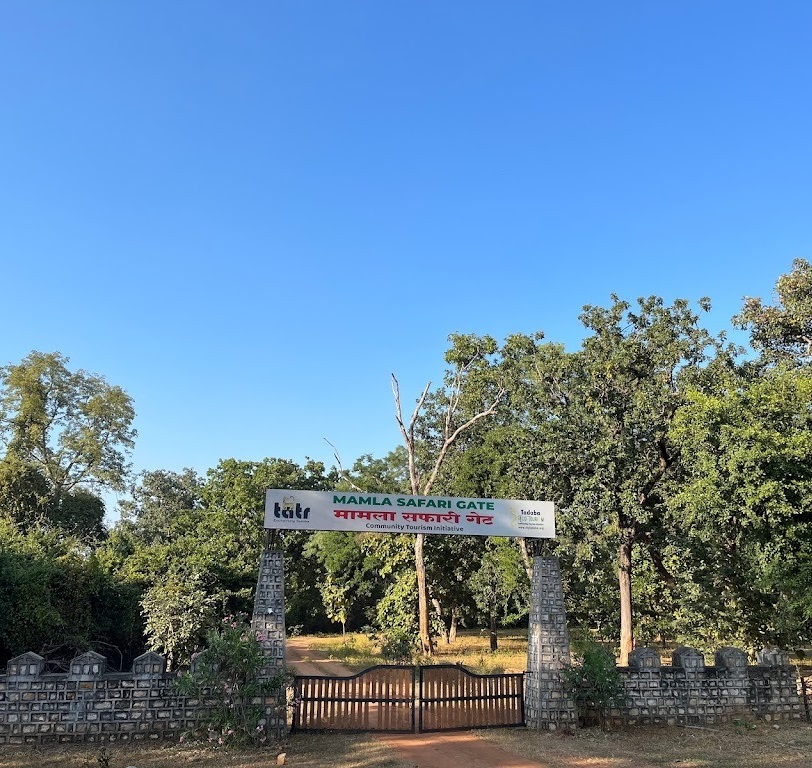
(471, 649)
(355, 650)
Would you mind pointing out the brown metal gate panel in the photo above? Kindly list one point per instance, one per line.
(453, 698)
(378, 699)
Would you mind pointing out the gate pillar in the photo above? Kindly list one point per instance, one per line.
(547, 704)
(269, 611)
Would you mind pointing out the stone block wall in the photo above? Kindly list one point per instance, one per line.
(268, 619)
(688, 692)
(88, 704)
(547, 705)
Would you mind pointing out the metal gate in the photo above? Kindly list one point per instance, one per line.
(385, 698)
(378, 699)
(452, 698)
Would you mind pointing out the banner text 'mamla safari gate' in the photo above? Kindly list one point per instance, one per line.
(395, 513)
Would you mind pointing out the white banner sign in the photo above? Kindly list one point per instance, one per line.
(393, 513)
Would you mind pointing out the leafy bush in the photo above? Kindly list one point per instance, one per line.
(228, 672)
(594, 684)
(177, 612)
(399, 647)
(397, 609)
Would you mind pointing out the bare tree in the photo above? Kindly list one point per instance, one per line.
(468, 353)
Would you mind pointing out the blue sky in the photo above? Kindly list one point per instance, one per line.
(249, 214)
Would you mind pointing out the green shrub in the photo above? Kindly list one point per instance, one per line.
(228, 672)
(594, 684)
(398, 647)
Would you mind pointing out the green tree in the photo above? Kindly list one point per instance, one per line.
(59, 600)
(232, 534)
(389, 474)
(500, 586)
(451, 562)
(392, 560)
(24, 491)
(26, 497)
(160, 503)
(179, 526)
(351, 581)
(177, 612)
(595, 424)
(157, 532)
(80, 513)
(337, 601)
(74, 427)
(743, 509)
(783, 331)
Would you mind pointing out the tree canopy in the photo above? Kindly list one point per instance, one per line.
(74, 427)
(782, 331)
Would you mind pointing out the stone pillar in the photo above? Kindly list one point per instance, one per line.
(547, 704)
(269, 611)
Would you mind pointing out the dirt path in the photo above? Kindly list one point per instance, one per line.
(421, 750)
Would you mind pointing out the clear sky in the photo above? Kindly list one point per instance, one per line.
(248, 214)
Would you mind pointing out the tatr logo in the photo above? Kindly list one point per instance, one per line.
(290, 510)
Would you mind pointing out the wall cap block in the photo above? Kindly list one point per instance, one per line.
(773, 657)
(88, 665)
(149, 664)
(730, 658)
(28, 664)
(687, 658)
(644, 658)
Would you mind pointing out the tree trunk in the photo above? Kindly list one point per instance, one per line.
(438, 609)
(426, 642)
(452, 630)
(494, 636)
(526, 559)
(624, 573)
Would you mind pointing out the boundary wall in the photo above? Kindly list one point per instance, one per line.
(88, 704)
(688, 692)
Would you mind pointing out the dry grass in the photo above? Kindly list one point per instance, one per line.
(755, 745)
(312, 750)
(355, 650)
(471, 648)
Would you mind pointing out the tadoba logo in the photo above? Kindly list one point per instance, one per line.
(290, 509)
